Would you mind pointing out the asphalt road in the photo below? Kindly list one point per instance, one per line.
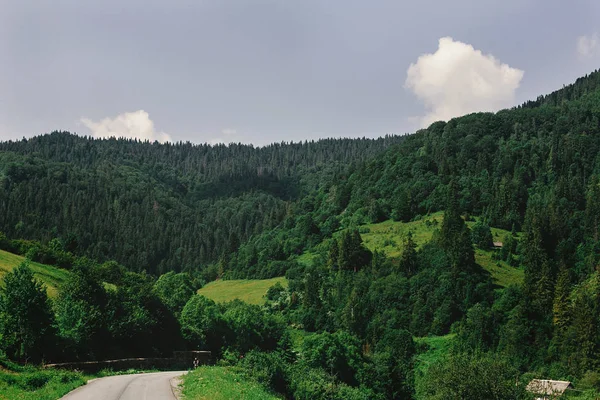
(150, 386)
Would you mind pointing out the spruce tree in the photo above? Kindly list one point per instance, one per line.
(455, 237)
(408, 259)
(334, 251)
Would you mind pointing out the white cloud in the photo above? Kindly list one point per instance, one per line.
(227, 136)
(457, 80)
(131, 125)
(588, 45)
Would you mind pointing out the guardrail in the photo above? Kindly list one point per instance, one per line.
(180, 359)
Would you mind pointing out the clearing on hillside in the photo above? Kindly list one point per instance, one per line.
(387, 236)
(249, 290)
(52, 277)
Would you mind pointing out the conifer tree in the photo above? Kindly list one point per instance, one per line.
(408, 259)
(332, 259)
(560, 308)
(455, 237)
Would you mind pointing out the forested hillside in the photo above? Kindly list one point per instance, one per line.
(161, 207)
(512, 195)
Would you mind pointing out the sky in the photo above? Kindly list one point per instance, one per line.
(263, 71)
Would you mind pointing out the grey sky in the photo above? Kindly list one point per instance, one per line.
(272, 70)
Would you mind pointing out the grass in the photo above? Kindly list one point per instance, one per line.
(436, 347)
(52, 277)
(433, 348)
(502, 273)
(251, 291)
(222, 383)
(388, 236)
(32, 383)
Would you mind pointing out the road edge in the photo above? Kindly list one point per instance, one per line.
(176, 388)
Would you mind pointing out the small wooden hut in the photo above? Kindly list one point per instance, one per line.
(546, 389)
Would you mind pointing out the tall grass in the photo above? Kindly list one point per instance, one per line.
(222, 383)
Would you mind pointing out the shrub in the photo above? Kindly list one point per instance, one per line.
(268, 368)
(249, 327)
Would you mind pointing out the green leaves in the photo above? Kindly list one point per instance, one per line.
(26, 319)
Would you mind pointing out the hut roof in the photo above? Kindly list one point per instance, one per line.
(547, 386)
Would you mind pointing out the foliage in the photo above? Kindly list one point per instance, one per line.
(80, 314)
(36, 384)
(338, 353)
(481, 235)
(174, 290)
(250, 327)
(132, 201)
(202, 323)
(26, 319)
(465, 377)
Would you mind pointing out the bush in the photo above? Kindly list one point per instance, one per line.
(249, 327)
(35, 380)
(202, 324)
(268, 369)
(315, 384)
(275, 292)
(339, 352)
(465, 376)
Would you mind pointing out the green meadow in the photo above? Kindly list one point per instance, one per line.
(251, 291)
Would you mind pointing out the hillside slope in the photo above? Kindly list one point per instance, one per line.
(387, 237)
(51, 276)
(161, 207)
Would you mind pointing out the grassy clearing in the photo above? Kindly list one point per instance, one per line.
(251, 291)
(431, 349)
(435, 348)
(388, 236)
(52, 277)
(502, 273)
(222, 383)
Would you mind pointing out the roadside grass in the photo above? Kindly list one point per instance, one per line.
(33, 383)
(251, 291)
(51, 276)
(222, 383)
(388, 236)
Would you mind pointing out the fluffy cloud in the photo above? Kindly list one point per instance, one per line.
(131, 125)
(457, 80)
(227, 136)
(589, 45)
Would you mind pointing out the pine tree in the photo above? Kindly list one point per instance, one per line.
(560, 308)
(408, 259)
(332, 259)
(455, 237)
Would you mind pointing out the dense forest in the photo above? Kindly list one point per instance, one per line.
(191, 214)
(161, 207)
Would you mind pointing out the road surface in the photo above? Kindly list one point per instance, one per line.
(150, 386)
